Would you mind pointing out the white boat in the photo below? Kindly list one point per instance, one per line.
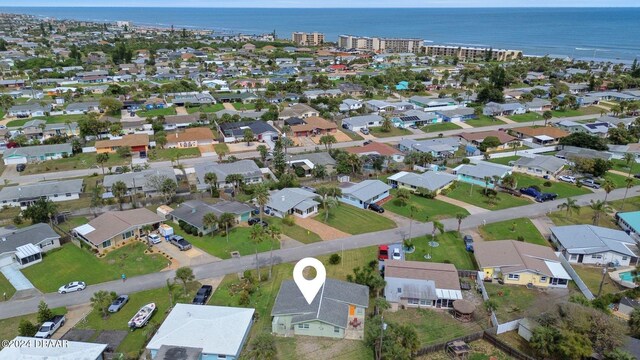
(141, 318)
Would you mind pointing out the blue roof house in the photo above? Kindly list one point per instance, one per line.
(364, 193)
(402, 85)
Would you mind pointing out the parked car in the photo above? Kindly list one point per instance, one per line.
(21, 167)
(531, 191)
(254, 221)
(118, 303)
(637, 176)
(396, 254)
(203, 295)
(468, 242)
(546, 197)
(154, 239)
(590, 183)
(375, 207)
(118, 170)
(364, 131)
(72, 286)
(367, 142)
(383, 252)
(414, 126)
(566, 178)
(180, 242)
(50, 327)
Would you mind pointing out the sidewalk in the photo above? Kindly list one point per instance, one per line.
(472, 209)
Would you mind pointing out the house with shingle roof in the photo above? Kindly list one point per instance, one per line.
(192, 212)
(520, 263)
(190, 137)
(31, 154)
(141, 182)
(476, 174)
(431, 180)
(476, 138)
(364, 193)
(56, 191)
(248, 169)
(139, 143)
(115, 228)
(25, 246)
(588, 244)
(292, 201)
(337, 311)
(421, 284)
(540, 165)
(543, 135)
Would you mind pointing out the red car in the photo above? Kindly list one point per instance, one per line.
(383, 252)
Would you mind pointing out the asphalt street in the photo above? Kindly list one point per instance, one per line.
(232, 266)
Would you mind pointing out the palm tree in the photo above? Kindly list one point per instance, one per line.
(412, 212)
(608, 187)
(547, 115)
(487, 181)
(209, 220)
(329, 203)
(119, 190)
(570, 205)
(460, 217)
(211, 179)
(628, 183)
(598, 207)
(262, 196)
(437, 225)
(275, 234)
(403, 196)
(628, 158)
(257, 236)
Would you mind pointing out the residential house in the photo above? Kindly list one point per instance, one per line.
(357, 123)
(520, 263)
(481, 173)
(364, 193)
(572, 152)
(297, 110)
(203, 331)
(114, 228)
(82, 107)
(415, 118)
(350, 105)
(337, 311)
(24, 247)
(497, 109)
(138, 143)
(37, 153)
(476, 138)
(381, 106)
(541, 135)
(56, 191)
(629, 222)
(588, 244)
(600, 129)
(310, 160)
(456, 115)
(248, 169)
(193, 211)
(30, 348)
(190, 137)
(26, 110)
(419, 284)
(351, 89)
(261, 130)
(439, 147)
(627, 305)
(433, 181)
(245, 97)
(540, 165)
(432, 104)
(142, 182)
(379, 149)
(196, 98)
(294, 201)
(313, 126)
(538, 105)
(181, 121)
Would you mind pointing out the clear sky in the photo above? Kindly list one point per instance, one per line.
(327, 3)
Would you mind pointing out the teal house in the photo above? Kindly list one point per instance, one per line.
(338, 311)
(402, 85)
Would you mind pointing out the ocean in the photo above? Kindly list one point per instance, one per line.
(602, 33)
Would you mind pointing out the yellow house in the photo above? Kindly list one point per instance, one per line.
(520, 263)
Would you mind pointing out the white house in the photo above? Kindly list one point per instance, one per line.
(357, 123)
(298, 202)
(25, 246)
(56, 191)
(217, 332)
(364, 193)
(28, 348)
(588, 244)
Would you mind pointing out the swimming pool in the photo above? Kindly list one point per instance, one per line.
(627, 276)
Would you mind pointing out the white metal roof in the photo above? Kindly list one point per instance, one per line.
(46, 349)
(557, 270)
(27, 250)
(449, 294)
(84, 229)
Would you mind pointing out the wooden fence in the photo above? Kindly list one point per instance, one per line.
(506, 348)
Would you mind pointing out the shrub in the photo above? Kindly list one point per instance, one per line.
(520, 238)
(300, 172)
(335, 259)
(547, 184)
(466, 161)
(288, 220)
(244, 298)
(17, 219)
(444, 192)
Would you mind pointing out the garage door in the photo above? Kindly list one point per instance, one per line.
(15, 161)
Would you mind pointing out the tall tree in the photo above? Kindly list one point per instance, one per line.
(185, 274)
(460, 217)
(328, 141)
(279, 161)
(101, 300)
(44, 313)
(261, 193)
(102, 159)
(608, 186)
(629, 160)
(263, 347)
(570, 205)
(628, 183)
(547, 115)
(210, 220)
(248, 136)
(598, 208)
(119, 191)
(40, 211)
(211, 179)
(257, 235)
(403, 196)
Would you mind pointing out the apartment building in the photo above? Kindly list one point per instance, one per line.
(389, 45)
(308, 39)
(471, 53)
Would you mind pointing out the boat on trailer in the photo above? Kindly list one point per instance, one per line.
(141, 318)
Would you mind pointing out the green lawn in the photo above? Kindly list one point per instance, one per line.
(157, 112)
(73, 222)
(621, 165)
(528, 117)
(171, 154)
(592, 276)
(561, 188)
(432, 326)
(239, 240)
(512, 301)
(377, 132)
(9, 326)
(77, 161)
(444, 126)
(631, 204)
(240, 106)
(295, 232)
(589, 110)
(71, 263)
(206, 109)
(505, 230)
(355, 221)
(6, 289)
(585, 216)
(451, 249)
(484, 120)
(619, 180)
(57, 119)
(135, 340)
(353, 135)
(431, 209)
(473, 195)
(504, 160)
(221, 147)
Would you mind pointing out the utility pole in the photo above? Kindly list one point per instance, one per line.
(382, 329)
(604, 273)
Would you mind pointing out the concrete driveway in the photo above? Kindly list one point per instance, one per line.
(193, 256)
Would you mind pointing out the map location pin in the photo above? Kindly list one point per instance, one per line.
(309, 288)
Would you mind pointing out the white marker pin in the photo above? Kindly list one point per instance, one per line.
(309, 288)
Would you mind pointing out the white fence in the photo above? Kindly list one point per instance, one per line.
(508, 326)
(527, 152)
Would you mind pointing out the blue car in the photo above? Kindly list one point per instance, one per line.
(531, 191)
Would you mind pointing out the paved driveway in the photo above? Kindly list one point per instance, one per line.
(325, 231)
(16, 278)
(193, 256)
